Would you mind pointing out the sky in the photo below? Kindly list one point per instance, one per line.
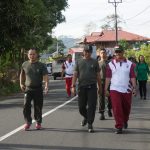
(135, 16)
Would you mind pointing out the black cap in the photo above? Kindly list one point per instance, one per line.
(88, 48)
(103, 49)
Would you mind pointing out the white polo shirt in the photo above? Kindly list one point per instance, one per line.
(69, 69)
(120, 74)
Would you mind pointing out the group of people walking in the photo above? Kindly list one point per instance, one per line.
(114, 79)
(117, 78)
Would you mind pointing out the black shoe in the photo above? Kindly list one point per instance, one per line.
(84, 122)
(68, 96)
(144, 98)
(125, 125)
(119, 131)
(90, 128)
(109, 113)
(102, 117)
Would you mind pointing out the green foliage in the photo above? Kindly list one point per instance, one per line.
(144, 50)
(124, 44)
(11, 88)
(130, 53)
(24, 24)
(110, 22)
(27, 22)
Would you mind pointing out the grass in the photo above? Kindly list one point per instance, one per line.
(9, 89)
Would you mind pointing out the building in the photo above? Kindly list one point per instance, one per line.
(107, 39)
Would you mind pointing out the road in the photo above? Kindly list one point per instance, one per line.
(61, 126)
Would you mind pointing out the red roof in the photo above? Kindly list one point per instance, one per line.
(110, 35)
(73, 50)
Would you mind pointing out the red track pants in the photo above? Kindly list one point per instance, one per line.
(121, 105)
(68, 85)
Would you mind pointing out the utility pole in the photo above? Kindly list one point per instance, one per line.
(115, 3)
(57, 48)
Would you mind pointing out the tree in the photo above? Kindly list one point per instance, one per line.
(25, 24)
(57, 45)
(124, 44)
(144, 50)
(110, 22)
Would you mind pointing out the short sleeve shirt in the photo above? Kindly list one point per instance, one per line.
(34, 73)
(102, 66)
(87, 70)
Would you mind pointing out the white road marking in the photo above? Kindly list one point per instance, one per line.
(45, 114)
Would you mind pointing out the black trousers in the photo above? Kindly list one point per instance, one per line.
(142, 88)
(87, 99)
(37, 96)
(101, 101)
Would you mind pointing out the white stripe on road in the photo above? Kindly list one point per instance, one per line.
(45, 114)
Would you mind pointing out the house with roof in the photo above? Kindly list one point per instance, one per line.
(107, 38)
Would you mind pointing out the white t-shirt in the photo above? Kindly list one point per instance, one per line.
(69, 69)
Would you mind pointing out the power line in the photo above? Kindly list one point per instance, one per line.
(130, 1)
(138, 13)
(145, 22)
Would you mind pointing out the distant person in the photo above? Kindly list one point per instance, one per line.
(33, 73)
(87, 73)
(103, 61)
(120, 73)
(142, 72)
(67, 69)
(98, 58)
(133, 60)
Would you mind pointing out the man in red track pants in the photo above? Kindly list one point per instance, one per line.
(68, 68)
(120, 73)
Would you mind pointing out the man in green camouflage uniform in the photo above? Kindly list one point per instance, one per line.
(102, 65)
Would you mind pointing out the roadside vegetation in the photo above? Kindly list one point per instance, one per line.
(144, 50)
(25, 24)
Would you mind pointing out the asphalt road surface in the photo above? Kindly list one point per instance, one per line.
(62, 129)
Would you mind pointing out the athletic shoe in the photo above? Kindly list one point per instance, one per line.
(119, 131)
(90, 128)
(27, 126)
(84, 122)
(109, 113)
(125, 125)
(68, 96)
(102, 116)
(38, 126)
